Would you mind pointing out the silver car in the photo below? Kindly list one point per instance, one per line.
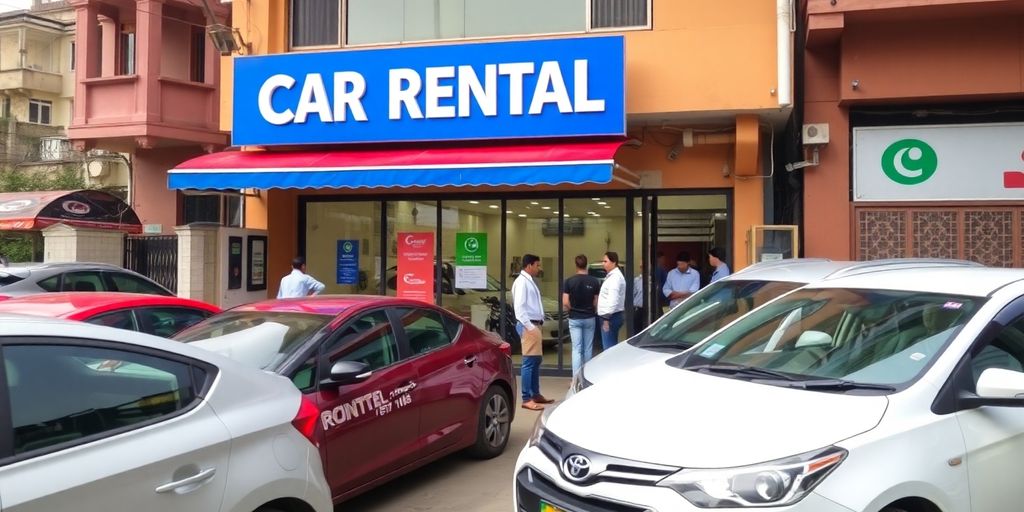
(31, 278)
(722, 302)
(104, 419)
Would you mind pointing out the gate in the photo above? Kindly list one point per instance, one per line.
(155, 257)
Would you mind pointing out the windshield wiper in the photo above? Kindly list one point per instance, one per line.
(668, 344)
(747, 371)
(840, 385)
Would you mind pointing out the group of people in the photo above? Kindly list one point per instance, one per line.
(594, 304)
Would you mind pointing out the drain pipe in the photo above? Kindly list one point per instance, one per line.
(785, 17)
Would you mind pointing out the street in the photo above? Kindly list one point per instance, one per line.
(457, 482)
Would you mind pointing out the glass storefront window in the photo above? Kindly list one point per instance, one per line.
(333, 227)
(471, 260)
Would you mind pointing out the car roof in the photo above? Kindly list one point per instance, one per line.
(970, 281)
(327, 304)
(63, 304)
(813, 269)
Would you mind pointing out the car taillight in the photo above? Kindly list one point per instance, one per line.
(506, 348)
(305, 420)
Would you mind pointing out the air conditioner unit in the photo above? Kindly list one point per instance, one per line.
(815, 134)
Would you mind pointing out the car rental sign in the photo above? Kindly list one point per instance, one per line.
(500, 90)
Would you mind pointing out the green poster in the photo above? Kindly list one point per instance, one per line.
(471, 260)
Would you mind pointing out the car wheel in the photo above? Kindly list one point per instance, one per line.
(494, 424)
(893, 509)
(269, 509)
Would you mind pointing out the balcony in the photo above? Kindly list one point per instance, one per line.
(154, 87)
(30, 80)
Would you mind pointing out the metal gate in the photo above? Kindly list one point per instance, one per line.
(155, 257)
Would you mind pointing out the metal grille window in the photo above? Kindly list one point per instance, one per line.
(39, 111)
(619, 13)
(315, 22)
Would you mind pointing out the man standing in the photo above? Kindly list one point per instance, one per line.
(716, 256)
(529, 317)
(612, 301)
(579, 297)
(298, 283)
(682, 281)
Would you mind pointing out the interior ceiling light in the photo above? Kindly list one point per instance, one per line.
(534, 202)
(474, 202)
(509, 211)
(522, 215)
(596, 198)
(602, 203)
(545, 207)
(606, 207)
(566, 215)
(494, 206)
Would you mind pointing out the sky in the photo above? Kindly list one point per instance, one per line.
(12, 5)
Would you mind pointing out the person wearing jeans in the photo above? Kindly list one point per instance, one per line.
(611, 301)
(579, 297)
(530, 316)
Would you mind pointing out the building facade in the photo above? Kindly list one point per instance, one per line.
(146, 86)
(665, 148)
(925, 150)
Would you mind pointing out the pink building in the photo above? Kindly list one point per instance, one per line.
(147, 80)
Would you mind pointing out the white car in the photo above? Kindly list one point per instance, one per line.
(104, 419)
(893, 391)
(722, 302)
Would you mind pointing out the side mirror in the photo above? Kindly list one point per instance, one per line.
(348, 372)
(814, 339)
(997, 383)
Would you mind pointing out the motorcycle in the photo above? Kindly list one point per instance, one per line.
(494, 322)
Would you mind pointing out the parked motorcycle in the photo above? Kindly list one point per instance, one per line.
(494, 323)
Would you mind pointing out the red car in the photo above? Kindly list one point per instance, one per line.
(152, 314)
(390, 384)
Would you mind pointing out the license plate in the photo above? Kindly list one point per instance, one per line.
(547, 507)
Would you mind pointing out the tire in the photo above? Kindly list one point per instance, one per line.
(269, 509)
(893, 509)
(494, 424)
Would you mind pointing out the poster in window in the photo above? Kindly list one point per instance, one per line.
(257, 263)
(234, 262)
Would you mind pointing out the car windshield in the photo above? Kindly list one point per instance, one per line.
(837, 336)
(709, 310)
(258, 338)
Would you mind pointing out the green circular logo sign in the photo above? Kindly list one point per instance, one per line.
(909, 161)
(472, 244)
(347, 246)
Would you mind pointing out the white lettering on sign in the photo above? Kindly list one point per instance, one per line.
(446, 92)
(373, 402)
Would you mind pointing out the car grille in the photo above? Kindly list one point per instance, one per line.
(603, 468)
(531, 488)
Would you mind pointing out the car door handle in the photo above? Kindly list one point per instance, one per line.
(196, 479)
(470, 360)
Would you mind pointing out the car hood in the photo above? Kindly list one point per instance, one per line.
(688, 419)
(622, 357)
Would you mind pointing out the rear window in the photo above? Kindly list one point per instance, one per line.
(6, 279)
(258, 338)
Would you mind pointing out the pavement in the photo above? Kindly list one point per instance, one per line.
(458, 482)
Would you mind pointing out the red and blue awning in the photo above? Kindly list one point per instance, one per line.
(500, 165)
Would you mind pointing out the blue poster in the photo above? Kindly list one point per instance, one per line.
(348, 261)
(568, 87)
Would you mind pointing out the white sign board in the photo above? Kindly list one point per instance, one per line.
(939, 162)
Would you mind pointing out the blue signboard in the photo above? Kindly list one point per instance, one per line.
(348, 261)
(502, 90)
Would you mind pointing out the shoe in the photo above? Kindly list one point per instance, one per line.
(533, 406)
(541, 400)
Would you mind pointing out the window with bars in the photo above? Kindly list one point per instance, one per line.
(612, 14)
(315, 23)
(40, 111)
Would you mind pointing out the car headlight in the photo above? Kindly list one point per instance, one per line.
(539, 425)
(770, 484)
(579, 383)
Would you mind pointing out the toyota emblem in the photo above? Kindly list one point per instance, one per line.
(576, 467)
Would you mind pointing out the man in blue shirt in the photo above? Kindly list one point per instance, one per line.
(716, 256)
(682, 281)
(298, 283)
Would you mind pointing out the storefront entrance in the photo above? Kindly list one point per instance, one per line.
(354, 247)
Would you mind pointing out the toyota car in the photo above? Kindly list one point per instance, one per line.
(394, 383)
(885, 391)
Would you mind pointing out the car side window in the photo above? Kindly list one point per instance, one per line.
(425, 330)
(128, 283)
(168, 321)
(50, 284)
(122, 319)
(83, 282)
(368, 339)
(1005, 351)
(73, 393)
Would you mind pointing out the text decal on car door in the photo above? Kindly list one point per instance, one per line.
(373, 402)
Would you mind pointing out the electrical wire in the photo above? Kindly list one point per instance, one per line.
(771, 152)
